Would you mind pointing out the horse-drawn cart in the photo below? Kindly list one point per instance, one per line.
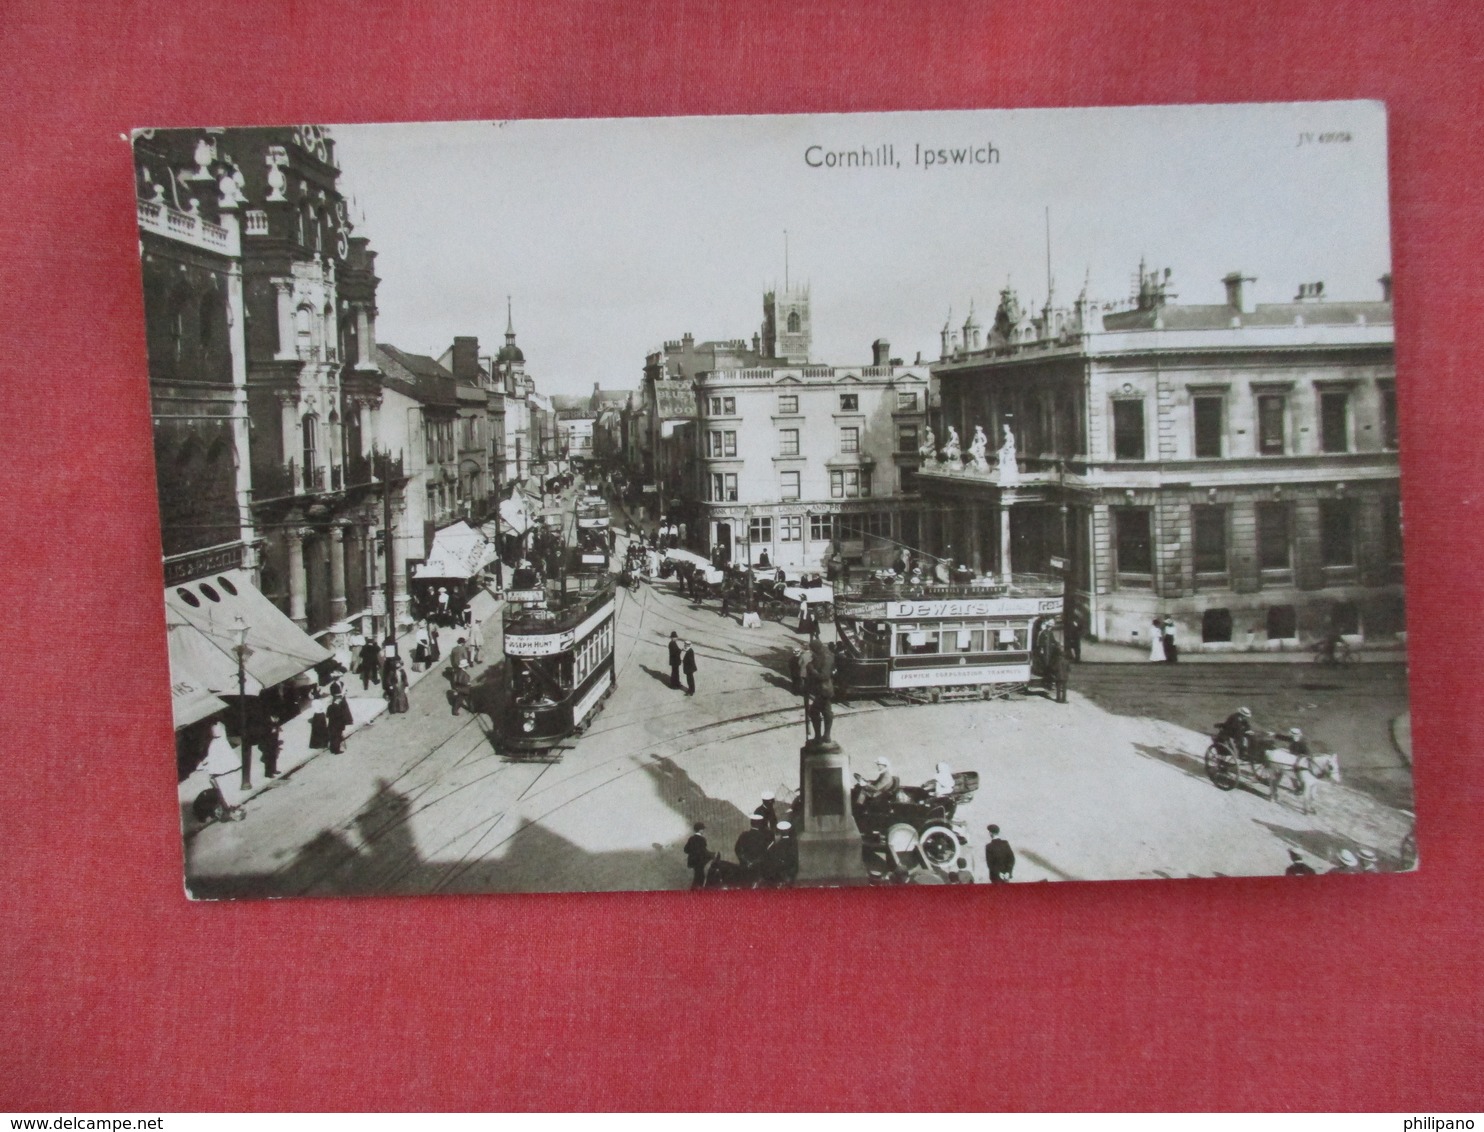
(1265, 764)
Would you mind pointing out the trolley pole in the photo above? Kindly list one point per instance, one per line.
(391, 574)
(1066, 550)
(747, 518)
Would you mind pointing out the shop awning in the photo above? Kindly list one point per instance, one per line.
(458, 551)
(202, 617)
(190, 656)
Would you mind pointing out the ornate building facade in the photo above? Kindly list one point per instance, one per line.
(1233, 465)
(310, 388)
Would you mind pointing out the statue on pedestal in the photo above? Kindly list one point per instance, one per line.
(929, 449)
(1009, 469)
(977, 449)
(951, 450)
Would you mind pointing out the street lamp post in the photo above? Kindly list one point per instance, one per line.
(239, 628)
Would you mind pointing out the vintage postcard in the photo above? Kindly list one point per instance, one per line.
(906, 498)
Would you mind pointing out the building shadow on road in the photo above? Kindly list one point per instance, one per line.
(1326, 846)
(1182, 761)
(378, 854)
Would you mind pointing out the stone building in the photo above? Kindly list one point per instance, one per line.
(438, 424)
(1231, 465)
(191, 257)
(803, 461)
(519, 439)
(307, 323)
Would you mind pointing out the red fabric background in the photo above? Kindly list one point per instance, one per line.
(1362, 993)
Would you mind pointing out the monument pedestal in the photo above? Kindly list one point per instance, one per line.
(829, 845)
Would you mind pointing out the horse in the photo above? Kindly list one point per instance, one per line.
(1306, 772)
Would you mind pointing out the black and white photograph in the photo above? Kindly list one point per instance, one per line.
(949, 497)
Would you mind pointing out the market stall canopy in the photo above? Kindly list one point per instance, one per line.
(514, 514)
(202, 617)
(458, 551)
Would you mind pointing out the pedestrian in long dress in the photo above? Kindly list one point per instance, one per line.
(394, 685)
(1167, 632)
(319, 724)
(338, 717)
(688, 666)
(1157, 645)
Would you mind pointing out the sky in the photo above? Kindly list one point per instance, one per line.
(613, 235)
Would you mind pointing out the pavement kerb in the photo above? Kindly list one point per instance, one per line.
(1109, 652)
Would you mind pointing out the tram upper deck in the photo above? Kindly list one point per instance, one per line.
(550, 609)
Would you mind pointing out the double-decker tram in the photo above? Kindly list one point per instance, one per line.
(558, 660)
(940, 641)
(592, 533)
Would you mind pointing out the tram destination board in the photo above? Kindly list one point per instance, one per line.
(1119, 460)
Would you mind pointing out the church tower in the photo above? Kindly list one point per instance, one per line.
(786, 331)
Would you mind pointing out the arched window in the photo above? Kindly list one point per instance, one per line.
(318, 230)
(311, 451)
(793, 322)
(304, 333)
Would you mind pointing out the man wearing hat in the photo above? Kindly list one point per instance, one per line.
(767, 811)
(780, 864)
(752, 844)
(674, 660)
(697, 855)
(999, 857)
(883, 787)
(1237, 729)
(1369, 862)
(1346, 862)
(1297, 866)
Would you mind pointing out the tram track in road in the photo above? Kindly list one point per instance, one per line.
(671, 750)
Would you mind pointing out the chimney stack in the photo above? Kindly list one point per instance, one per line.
(881, 352)
(1385, 282)
(466, 360)
(1241, 292)
(1309, 293)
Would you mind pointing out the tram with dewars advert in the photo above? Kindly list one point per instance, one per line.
(558, 660)
(942, 641)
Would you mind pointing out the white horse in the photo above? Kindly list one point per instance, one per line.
(1305, 771)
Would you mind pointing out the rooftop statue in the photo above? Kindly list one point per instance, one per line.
(929, 449)
(951, 450)
(977, 449)
(1009, 468)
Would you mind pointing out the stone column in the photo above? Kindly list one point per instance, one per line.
(297, 612)
(284, 290)
(337, 573)
(1005, 541)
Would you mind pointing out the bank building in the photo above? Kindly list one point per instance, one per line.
(1231, 465)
